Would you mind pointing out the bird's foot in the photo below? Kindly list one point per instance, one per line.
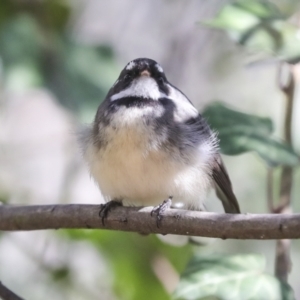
(107, 207)
(160, 209)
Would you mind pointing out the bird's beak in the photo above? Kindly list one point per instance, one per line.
(145, 73)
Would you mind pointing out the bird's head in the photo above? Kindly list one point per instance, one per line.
(143, 78)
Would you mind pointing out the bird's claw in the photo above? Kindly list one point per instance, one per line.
(106, 208)
(160, 209)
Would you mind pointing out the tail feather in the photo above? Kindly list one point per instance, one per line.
(224, 188)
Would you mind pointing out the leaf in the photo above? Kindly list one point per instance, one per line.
(20, 50)
(58, 13)
(7, 10)
(259, 26)
(239, 132)
(78, 75)
(219, 114)
(233, 277)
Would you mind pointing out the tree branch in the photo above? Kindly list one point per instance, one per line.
(136, 219)
(287, 86)
(270, 192)
(7, 294)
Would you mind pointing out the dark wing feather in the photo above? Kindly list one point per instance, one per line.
(224, 187)
(198, 130)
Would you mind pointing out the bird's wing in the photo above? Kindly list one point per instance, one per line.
(224, 187)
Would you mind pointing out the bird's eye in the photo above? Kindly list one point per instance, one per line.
(128, 76)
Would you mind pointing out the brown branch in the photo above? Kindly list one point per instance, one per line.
(136, 219)
(287, 86)
(270, 193)
(7, 294)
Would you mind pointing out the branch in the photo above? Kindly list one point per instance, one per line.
(270, 193)
(137, 219)
(287, 86)
(7, 294)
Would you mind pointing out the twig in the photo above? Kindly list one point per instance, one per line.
(135, 219)
(7, 294)
(287, 86)
(270, 194)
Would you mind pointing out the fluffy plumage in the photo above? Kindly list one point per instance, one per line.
(148, 142)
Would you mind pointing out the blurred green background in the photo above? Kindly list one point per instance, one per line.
(57, 61)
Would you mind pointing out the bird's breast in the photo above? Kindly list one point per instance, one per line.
(135, 165)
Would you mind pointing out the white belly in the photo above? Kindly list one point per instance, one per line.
(137, 170)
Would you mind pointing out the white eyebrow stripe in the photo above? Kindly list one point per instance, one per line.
(130, 65)
(159, 68)
(184, 108)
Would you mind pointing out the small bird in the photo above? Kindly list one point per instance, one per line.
(149, 146)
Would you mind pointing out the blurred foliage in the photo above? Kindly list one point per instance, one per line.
(3, 198)
(38, 49)
(232, 277)
(132, 258)
(260, 26)
(239, 132)
(61, 273)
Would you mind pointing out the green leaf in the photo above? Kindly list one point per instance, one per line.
(218, 114)
(58, 13)
(230, 278)
(78, 75)
(7, 10)
(259, 26)
(239, 132)
(20, 51)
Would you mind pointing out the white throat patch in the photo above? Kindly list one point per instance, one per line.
(144, 86)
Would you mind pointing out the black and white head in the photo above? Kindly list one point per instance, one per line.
(142, 77)
(143, 82)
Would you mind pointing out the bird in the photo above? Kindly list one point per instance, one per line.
(149, 146)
